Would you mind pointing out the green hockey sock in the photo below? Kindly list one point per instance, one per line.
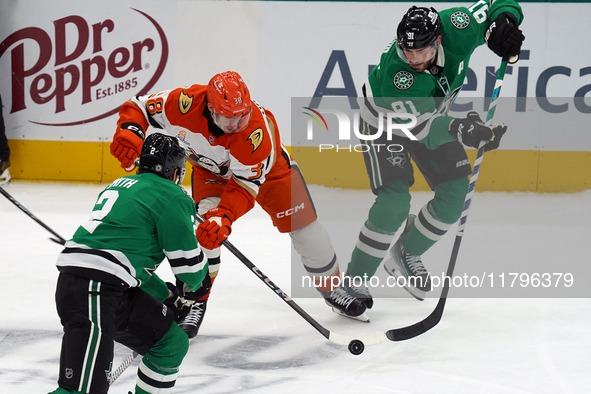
(160, 366)
(436, 217)
(385, 217)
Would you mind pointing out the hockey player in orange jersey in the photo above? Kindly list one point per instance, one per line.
(237, 158)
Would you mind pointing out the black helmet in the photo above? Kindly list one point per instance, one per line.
(418, 28)
(161, 155)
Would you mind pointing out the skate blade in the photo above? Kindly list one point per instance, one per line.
(413, 291)
(362, 318)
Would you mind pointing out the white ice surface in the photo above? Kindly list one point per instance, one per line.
(252, 342)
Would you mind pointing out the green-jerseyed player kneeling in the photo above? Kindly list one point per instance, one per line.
(137, 221)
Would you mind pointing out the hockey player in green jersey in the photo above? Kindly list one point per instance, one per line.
(137, 221)
(421, 73)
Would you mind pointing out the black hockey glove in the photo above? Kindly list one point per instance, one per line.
(198, 294)
(504, 37)
(470, 131)
(177, 304)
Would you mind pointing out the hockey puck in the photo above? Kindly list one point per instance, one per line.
(356, 347)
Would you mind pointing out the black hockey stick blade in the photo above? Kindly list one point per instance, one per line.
(419, 328)
(414, 330)
(58, 239)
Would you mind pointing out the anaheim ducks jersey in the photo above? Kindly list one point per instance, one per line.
(244, 158)
(429, 95)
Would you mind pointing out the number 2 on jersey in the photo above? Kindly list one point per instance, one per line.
(107, 199)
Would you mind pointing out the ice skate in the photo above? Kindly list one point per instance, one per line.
(357, 288)
(346, 305)
(194, 318)
(408, 269)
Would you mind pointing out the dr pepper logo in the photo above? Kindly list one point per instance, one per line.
(82, 61)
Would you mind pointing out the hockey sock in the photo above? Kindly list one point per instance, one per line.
(436, 217)
(328, 282)
(317, 254)
(213, 255)
(159, 367)
(214, 260)
(385, 217)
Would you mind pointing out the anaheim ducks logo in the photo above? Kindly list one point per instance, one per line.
(256, 138)
(185, 103)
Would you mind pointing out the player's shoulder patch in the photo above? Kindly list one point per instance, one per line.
(254, 144)
(403, 80)
(460, 19)
(250, 147)
(185, 102)
(256, 138)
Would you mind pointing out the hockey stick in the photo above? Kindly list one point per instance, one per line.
(355, 345)
(403, 333)
(58, 239)
(124, 364)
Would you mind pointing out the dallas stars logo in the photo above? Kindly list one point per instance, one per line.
(397, 160)
(460, 19)
(403, 80)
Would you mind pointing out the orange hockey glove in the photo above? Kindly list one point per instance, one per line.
(127, 144)
(215, 229)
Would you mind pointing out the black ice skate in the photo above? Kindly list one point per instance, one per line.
(345, 305)
(193, 320)
(357, 288)
(408, 269)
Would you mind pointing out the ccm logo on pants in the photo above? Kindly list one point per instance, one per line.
(290, 211)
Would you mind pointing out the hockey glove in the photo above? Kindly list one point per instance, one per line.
(198, 295)
(215, 229)
(470, 131)
(127, 144)
(503, 36)
(179, 306)
(498, 131)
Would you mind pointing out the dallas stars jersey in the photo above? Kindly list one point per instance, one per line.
(244, 158)
(136, 222)
(394, 85)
